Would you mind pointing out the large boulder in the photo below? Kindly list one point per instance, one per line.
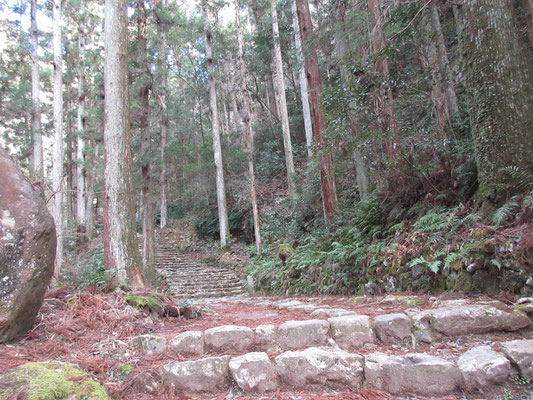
(468, 319)
(315, 367)
(415, 373)
(27, 250)
(351, 332)
(520, 352)
(299, 334)
(482, 366)
(253, 372)
(207, 375)
(230, 338)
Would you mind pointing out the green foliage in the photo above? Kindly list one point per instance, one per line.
(505, 212)
(92, 272)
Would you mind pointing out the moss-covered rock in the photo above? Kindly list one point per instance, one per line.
(51, 381)
(150, 303)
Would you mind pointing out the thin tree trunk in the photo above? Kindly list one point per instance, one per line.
(249, 133)
(121, 249)
(68, 195)
(308, 124)
(528, 6)
(384, 97)
(80, 146)
(164, 123)
(340, 44)
(89, 195)
(451, 96)
(327, 173)
(57, 165)
(217, 147)
(279, 87)
(148, 258)
(37, 138)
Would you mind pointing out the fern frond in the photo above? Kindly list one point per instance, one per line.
(503, 213)
(522, 178)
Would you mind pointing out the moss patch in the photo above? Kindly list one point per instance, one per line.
(147, 303)
(51, 381)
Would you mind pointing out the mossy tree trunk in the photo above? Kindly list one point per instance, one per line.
(498, 81)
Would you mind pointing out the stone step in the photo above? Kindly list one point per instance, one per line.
(318, 367)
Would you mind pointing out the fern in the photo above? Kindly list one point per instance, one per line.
(522, 178)
(451, 258)
(504, 213)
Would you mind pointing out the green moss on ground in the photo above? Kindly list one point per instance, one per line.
(51, 381)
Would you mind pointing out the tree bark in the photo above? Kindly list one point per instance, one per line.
(304, 93)
(281, 101)
(164, 123)
(217, 147)
(80, 145)
(384, 99)
(57, 165)
(353, 118)
(37, 138)
(148, 258)
(121, 249)
(249, 133)
(327, 173)
(448, 81)
(499, 87)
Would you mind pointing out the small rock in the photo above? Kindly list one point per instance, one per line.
(351, 331)
(415, 373)
(228, 338)
(253, 372)
(308, 308)
(286, 304)
(299, 334)
(149, 344)
(205, 375)
(481, 366)
(392, 328)
(520, 352)
(265, 337)
(188, 343)
(331, 312)
(319, 366)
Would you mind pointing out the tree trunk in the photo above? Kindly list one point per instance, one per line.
(217, 147)
(444, 63)
(80, 146)
(121, 249)
(37, 138)
(163, 122)
(308, 124)
(498, 82)
(281, 101)
(89, 195)
(249, 133)
(148, 258)
(384, 99)
(353, 118)
(327, 173)
(528, 7)
(57, 164)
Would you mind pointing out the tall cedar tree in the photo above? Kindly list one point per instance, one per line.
(121, 251)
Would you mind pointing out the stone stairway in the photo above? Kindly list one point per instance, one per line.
(464, 348)
(191, 279)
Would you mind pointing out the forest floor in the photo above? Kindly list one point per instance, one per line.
(93, 330)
